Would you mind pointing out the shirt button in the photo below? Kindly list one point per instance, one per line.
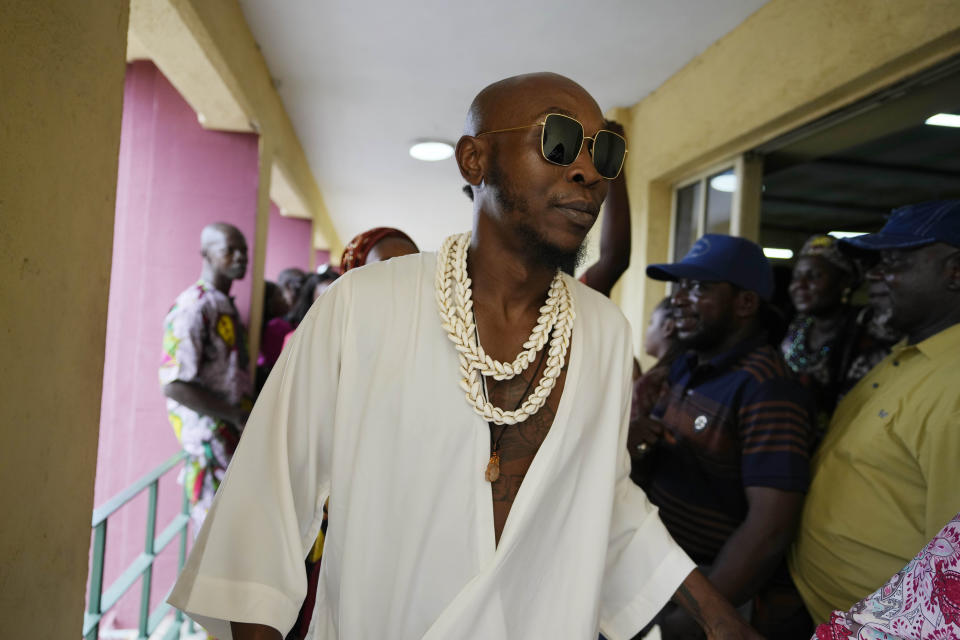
(896, 363)
(876, 385)
(689, 392)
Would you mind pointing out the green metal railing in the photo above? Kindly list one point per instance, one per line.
(101, 601)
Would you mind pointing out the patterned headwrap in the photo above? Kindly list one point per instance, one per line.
(356, 251)
(827, 248)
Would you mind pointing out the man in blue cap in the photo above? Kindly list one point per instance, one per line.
(726, 447)
(887, 476)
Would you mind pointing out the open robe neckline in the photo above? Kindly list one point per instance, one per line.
(491, 554)
(536, 472)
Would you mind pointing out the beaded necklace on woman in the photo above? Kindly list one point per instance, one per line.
(455, 304)
(798, 354)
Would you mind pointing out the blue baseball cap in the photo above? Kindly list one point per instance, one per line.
(719, 258)
(912, 227)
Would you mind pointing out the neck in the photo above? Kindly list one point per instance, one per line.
(219, 281)
(829, 317)
(504, 279)
(933, 328)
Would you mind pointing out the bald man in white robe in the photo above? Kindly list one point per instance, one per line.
(365, 408)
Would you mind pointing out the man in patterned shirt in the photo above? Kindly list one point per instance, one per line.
(204, 368)
(726, 446)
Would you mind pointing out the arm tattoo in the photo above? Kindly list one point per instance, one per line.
(686, 600)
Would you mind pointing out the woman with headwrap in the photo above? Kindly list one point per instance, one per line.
(831, 344)
(376, 245)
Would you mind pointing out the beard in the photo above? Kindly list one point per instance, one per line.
(549, 255)
(539, 248)
(708, 334)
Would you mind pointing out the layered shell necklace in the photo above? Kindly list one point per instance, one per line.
(455, 303)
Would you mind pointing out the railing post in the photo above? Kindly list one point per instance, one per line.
(182, 560)
(147, 580)
(96, 576)
(142, 567)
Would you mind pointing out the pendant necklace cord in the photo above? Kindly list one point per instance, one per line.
(494, 462)
(503, 427)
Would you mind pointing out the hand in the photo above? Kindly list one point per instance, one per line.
(711, 611)
(240, 417)
(735, 630)
(644, 433)
(616, 127)
(648, 389)
(678, 625)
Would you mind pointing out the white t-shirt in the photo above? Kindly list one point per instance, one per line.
(364, 405)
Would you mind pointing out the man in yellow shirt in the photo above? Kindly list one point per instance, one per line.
(887, 477)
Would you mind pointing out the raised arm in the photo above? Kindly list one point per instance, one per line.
(614, 235)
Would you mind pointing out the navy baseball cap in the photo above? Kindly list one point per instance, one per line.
(719, 258)
(912, 227)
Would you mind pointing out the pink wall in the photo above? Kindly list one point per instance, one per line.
(323, 257)
(174, 178)
(289, 242)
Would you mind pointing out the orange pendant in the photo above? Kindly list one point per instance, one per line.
(493, 468)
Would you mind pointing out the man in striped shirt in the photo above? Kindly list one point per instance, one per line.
(727, 445)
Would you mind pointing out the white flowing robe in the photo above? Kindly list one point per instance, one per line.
(364, 405)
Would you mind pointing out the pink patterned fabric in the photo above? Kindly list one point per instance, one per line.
(921, 602)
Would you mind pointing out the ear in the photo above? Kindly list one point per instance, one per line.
(669, 326)
(471, 158)
(746, 304)
(951, 271)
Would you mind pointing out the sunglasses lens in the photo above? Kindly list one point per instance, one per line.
(608, 152)
(562, 138)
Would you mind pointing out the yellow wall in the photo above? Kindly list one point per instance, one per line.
(60, 103)
(789, 63)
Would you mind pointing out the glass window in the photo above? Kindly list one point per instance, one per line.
(720, 201)
(688, 204)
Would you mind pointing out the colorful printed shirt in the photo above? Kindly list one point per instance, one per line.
(204, 343)
(921, 602)
(739, 420)
(858, 343)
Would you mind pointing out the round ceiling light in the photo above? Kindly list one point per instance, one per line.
(726, 182)
(431, 150)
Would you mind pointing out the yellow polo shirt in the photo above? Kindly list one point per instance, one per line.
(886, 478)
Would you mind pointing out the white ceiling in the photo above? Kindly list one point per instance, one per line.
(363, 79)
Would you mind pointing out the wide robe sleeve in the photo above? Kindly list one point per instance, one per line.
(644, 565)
(247, 562)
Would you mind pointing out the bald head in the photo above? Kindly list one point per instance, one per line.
(536, 208)
(224, 251)
(510, 99)
(216, 232)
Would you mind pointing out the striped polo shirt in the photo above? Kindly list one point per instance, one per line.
(738, 420)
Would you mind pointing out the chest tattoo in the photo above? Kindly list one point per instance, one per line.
(517, 444)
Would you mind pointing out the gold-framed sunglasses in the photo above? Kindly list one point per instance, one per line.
(561, 140)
